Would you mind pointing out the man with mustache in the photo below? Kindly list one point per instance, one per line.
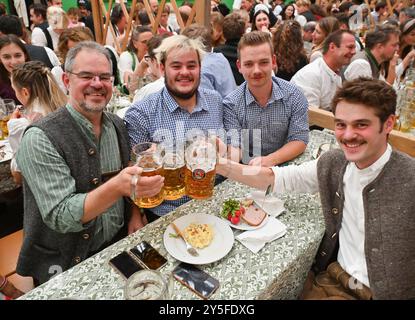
(76, 175)
(320, 79)
(181, 109)
(266, 117)
(367, 194)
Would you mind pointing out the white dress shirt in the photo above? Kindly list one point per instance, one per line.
(39, 38)
(303, 178)
(126, 63)
(360, 68)
(318, 83)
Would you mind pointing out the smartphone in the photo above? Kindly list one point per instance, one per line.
(149, 256)
(125, 265)
(201, 283)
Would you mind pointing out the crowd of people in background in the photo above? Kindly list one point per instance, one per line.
(258, 65)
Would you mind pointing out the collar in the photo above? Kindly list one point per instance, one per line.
(372, 59)
(378, 164)
(329, 70)
(172, 105)
(276, 93)
(82, 120)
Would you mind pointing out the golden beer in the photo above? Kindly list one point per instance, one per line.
(173, 166)
(147, 157)
(199, 184)
(174, 183)
(153, 201)
(3, 126)
(200, 167)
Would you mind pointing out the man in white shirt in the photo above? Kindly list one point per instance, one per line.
(49, 37)
(320, 79)
(367, 195)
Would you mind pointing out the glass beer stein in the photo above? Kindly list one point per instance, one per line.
(7, 107)
(173, 170)
(148, 285)
(200, 171)
(147, 156)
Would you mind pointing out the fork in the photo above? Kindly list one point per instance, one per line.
(192, 251)
(268, 192)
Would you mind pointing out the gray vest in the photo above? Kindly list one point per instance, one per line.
(389, 205)
(45, 251)
(362, 55)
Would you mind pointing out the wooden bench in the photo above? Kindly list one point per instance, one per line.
(9, 252)
(399, 140)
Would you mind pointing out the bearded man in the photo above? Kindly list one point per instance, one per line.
(181, 110)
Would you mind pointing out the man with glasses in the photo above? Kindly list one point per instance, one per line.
(76, 175)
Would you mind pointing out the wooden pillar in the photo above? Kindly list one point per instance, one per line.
(97, 17)
(203, 12)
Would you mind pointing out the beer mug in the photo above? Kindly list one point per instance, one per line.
(147, 156)
(200, 171)
(7, 107)
(148, 285)
(173, 170)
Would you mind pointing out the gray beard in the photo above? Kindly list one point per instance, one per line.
(88, 108)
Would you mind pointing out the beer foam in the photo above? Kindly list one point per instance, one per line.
(172, 161)
(201, 156)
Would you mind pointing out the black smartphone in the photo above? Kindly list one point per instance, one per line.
(125, 265)
(149, 256)
(201, 283)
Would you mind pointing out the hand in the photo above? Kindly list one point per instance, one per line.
(264, 29)
(16, 114)
(141, 68)
(221, 148)
(137, 220)
(145, 187)
(261, 162)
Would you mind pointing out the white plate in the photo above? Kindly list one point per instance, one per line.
(242, 225)
(6, 152)
(221, 244)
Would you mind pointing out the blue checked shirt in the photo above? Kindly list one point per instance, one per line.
(284, 119)
(159, 118)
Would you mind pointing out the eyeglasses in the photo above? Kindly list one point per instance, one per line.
(88, 76)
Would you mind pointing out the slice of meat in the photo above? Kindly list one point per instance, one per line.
(253, 216)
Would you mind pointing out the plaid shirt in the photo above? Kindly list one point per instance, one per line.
(284, 119)
(159, 118)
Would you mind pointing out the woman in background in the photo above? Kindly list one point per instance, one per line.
(68, 39)
(39, 93)
(323, 28)
(12, 53)
(406, 47)
(131, 61)
(287, 12)
(289, 49)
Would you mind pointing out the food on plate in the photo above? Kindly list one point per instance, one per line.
(232, 210)
(235, 210)
(199, 235)
(253, 216)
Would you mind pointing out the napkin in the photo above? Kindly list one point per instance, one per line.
(270, 204)
(256, 239)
